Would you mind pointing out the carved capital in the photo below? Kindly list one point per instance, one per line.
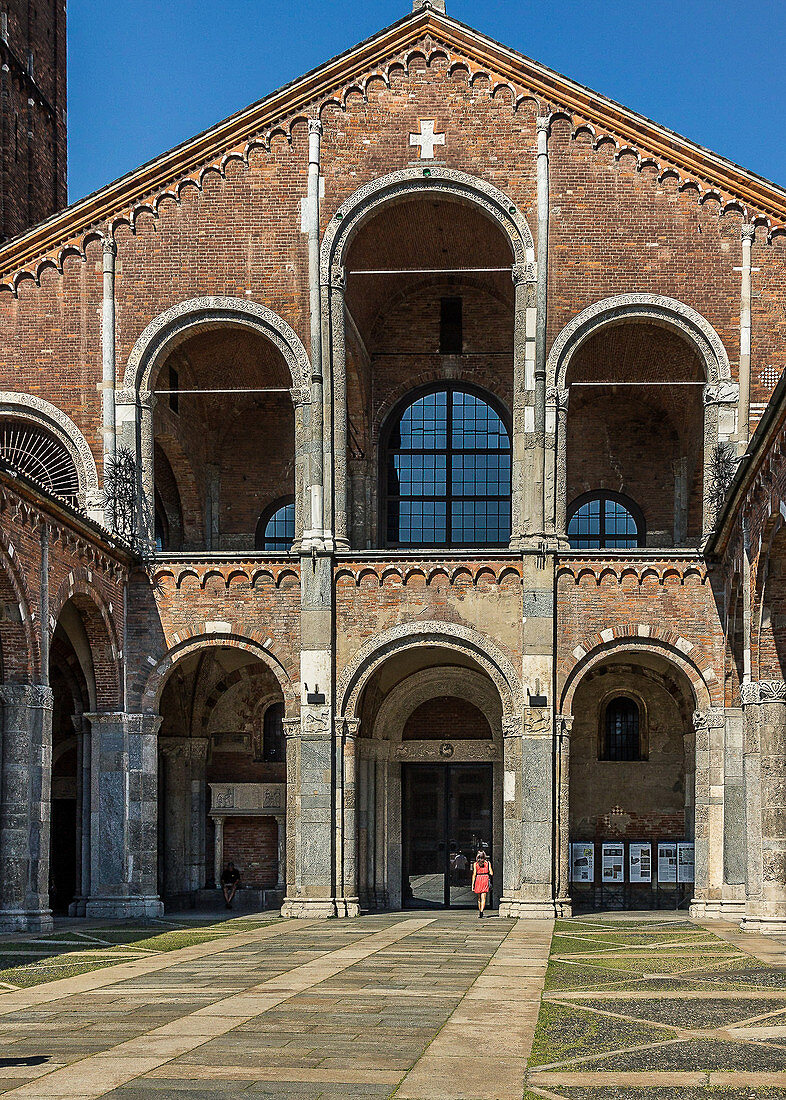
(748, 232)
(338, 278)
(292, 727)
(512, 726)
(721, 393)
(26, 695)
(564, 725)
(315, 126)
(543, 123)
(301, 395)
(749, 694)
(523, 273)
(558, 398)
(347, 727)
(709, 719)
(109, 246)
(772, 691)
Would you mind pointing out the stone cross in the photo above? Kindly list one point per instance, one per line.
(427, 139)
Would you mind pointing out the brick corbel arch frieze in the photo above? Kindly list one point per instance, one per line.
(485, 653)
(35, 410)
(184, 319)
(632, 639)
(159, 674)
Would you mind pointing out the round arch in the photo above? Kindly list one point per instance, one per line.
(619, 647)
(35, 410)
(445, 183)
(101, 635)
(653, 308)
(451, 636)
(158, 676)
(185, 319)
(430, 683)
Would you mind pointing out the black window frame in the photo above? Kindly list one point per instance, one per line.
(603, 495)
(385, 498)
(265, 518)
(616, 752)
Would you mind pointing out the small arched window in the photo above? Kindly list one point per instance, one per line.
(622, 734)
(276, 527)
(273, 743)
(602, 520)
(447, 472)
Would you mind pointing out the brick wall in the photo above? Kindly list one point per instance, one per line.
(446, 718)
(251, 843)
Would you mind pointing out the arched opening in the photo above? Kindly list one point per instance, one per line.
(430, 305)
(276, 527)
(222, 780)
(32, 450)
(429, 779)
(632, 781)
(79, 662)
(635, 435)
(224, 432)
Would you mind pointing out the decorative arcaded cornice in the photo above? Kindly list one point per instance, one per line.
(428, 33)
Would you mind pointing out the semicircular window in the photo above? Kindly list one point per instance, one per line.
(607, 521)
(276, 528)
(37, 454)
(448, 472)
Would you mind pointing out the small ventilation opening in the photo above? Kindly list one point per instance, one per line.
(451, 335)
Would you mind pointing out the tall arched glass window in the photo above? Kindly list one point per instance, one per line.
(621, 736)
(276, 528)
(447, 473)
(602, 520)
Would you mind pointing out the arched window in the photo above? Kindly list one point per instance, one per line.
(447, 472)
(621, 734)
(604, 520)
(273, 743)
(276, 527)
(32, 451)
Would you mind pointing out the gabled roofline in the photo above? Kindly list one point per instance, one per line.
(554, 88)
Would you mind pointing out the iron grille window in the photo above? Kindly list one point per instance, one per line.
(448, 473)
(273, 744)
(40, 456)
(605, 521)
(276, 528)
(622, 740)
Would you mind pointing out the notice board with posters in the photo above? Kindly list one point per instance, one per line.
(667, 861)
(639, 861)
(613, 861)
(582, 862)
(685, 862)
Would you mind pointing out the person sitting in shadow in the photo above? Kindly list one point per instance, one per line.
(230, 880)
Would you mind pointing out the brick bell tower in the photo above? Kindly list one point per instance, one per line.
(33, 149)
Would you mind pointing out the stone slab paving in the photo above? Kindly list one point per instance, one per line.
(421, 1006)
(654, 1009)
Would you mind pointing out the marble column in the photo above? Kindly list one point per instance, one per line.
(528, 828)
(527, 461)
(764, 767)
(704, 774)
(556, 462)
(335, 458)
(347, 901)
(281, 883)
(25, 807)
(196, 854)
(218, 854)
(124, 812)
(564, 725)
(83, 789)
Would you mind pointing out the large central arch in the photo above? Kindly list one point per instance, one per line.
(436, 182)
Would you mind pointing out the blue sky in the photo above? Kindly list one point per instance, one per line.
(147, 74)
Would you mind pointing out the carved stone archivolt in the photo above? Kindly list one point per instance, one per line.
(172, 326)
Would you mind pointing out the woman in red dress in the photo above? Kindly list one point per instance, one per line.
(481, 879)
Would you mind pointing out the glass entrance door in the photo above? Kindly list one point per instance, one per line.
(446, 816)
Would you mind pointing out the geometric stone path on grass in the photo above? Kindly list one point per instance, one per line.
(427, 1006)
(648, 1010)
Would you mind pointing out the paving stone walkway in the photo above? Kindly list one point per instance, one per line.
(652, 1010)
(420, 1006)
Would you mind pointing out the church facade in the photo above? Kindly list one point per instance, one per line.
(393, 470)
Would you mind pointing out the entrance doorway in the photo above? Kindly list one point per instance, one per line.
(446, 817)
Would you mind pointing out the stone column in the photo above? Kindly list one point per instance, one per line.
(82, 730)
(564, 725)
(525, 493)
(281, 883)
(198, 758)
(734, 841)
(108, 351)
(765, 790)
(218, 855)
(556, 461)
(302, 410)
(124, 811)
(346, 751)
(336, 458)
(706, 829)
(528, 844)
(25, 807)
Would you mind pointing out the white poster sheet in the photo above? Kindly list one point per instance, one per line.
(685, 862)
(582, 862)
(640, 859)
(613, 862)
(667, 861)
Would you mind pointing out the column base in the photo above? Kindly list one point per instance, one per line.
(764, 926)
(717, 910)
(320, 908)
(77, 907)
(146, 907)
(532, 908)
(26, 920)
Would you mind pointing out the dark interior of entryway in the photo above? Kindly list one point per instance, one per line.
(446, 818)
